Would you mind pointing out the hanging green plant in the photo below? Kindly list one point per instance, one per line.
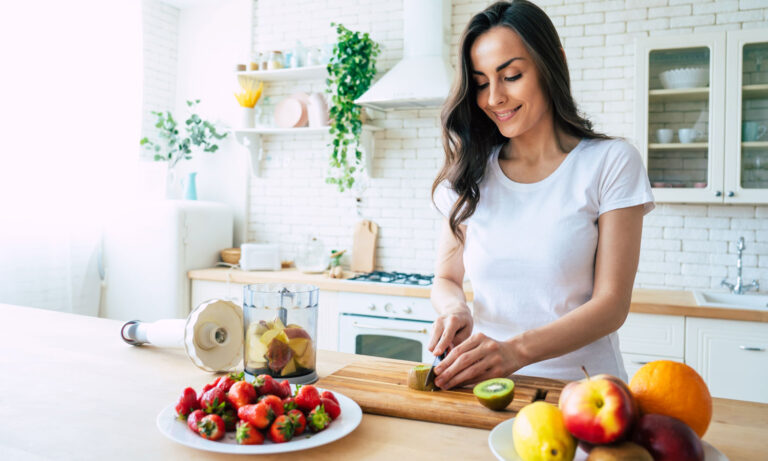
(350, 72)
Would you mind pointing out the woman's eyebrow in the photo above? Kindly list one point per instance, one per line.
(498, 68)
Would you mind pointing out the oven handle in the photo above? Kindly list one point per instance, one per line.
(399, 330)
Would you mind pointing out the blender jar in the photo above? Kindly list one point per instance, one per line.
(280, 321)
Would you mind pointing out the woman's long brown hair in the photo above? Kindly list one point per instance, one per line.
(469, 136)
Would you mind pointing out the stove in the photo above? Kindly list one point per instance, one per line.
(401, 278)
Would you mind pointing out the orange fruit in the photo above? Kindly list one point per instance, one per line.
(673, 389)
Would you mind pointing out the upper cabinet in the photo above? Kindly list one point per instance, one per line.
(701, 110)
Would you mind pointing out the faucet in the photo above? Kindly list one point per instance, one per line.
(739, 288)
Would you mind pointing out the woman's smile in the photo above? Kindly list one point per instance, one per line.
(506, 115)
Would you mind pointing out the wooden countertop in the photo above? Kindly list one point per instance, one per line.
(664, 302)
(72, 389)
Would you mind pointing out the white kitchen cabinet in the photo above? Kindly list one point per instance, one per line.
(327, 314)
(723, 164)
(653, 335)
(731, 356)
(633, 362)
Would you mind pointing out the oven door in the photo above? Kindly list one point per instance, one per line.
(385, 337)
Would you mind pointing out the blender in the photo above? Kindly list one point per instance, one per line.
(280, 322)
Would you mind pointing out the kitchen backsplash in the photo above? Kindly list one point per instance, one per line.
(684, 246)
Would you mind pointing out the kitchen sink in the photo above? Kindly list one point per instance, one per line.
(728, 300)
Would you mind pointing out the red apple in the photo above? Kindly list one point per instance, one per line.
(598, 410)
(667, 439)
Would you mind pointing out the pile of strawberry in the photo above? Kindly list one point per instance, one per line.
(254, 410)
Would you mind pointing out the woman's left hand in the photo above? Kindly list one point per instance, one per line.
(476, 359)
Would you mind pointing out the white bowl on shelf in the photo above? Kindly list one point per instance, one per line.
(686, 77)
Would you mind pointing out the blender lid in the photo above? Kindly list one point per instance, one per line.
(213, 335)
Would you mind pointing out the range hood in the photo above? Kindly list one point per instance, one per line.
(423, 78)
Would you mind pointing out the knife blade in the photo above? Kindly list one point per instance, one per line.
(436, 362)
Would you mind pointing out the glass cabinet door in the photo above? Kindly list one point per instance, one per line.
(747, 140)
(680, 116)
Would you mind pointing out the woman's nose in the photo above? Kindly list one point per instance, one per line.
(496, 95)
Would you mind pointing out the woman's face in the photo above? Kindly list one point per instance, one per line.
(507, 82)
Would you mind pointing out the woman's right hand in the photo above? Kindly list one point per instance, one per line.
(450, 329)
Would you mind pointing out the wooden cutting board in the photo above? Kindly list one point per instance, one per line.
(380, 387)
(364, 246)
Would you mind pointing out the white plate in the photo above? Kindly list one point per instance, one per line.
(177, 430)
(503, 447)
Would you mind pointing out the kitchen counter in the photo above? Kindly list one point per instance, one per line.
(664, 302)
(72, 389)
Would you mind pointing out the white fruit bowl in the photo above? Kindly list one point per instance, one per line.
(687, 77)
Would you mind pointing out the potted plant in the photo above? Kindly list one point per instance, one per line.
(350, 72)
(172, 147)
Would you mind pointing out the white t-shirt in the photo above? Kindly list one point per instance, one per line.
(530, 248)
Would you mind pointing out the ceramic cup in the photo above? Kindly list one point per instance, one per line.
(752, 131)
(664, 135)
(688, 135)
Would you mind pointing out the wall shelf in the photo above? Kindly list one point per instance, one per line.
(295, 73)
(252, 139)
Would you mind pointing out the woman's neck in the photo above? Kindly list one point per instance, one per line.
(541, 142)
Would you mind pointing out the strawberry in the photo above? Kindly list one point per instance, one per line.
(329, 395)
(331, 407)
(307, 398)
(289, 404)
(211, 427)
(248, 435)
(213, 400)
(260, 415)
(193, 419)
(281, 430)
(225, 382)
(275, 403)
(266, 385)
(187, 403)
(285, 389)
(241, 393)
(299, 421)
(318, 419)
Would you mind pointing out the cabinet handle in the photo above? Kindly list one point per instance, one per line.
(751, 348)
(731, 193)
(399, 330)
(637, 362)
(718, 194)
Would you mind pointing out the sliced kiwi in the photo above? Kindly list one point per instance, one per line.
(416, 377)
(495, 393)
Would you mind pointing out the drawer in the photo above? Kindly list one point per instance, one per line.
(633, 362)
(731, 356)
(651, 334)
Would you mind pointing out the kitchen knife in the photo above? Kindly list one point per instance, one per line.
(431, 374)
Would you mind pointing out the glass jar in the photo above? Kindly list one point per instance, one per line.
(280, 321)
(275, 60)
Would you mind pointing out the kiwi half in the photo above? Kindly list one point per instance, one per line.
(416, 377)
(495, 393)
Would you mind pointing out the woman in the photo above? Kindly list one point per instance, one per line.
(543, 213)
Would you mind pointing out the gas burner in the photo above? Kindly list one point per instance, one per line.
(395, 277)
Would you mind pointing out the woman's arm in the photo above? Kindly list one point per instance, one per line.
(454, 322)
(618, 251)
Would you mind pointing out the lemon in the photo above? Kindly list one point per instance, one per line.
(540, 435)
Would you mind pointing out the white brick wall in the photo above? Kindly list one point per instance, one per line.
(160, 33)
(684, 246)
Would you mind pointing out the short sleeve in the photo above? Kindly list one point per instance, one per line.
(624, 181)
(444, 199)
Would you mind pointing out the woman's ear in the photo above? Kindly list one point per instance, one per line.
(562, 50)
